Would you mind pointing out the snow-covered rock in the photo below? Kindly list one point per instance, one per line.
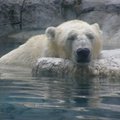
(107, 65)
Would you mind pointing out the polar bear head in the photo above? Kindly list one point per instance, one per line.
(75, 40)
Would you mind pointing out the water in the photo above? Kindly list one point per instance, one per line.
(23, 97)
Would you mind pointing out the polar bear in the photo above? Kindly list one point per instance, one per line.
(75, 40)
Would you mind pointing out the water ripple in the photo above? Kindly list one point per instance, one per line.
(25, 97)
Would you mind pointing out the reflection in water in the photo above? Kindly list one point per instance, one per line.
(25, 97)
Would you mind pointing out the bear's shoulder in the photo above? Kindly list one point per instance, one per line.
(37, 39)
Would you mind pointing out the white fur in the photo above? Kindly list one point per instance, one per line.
(53, 44)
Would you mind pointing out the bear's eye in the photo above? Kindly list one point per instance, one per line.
(90, 36)
(72, 37)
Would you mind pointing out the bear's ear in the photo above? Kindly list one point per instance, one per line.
(50, 32)
(96, 27)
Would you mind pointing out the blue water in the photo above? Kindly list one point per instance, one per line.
(23, 97)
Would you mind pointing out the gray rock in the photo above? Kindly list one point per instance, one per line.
(39, 14)
(36, 14)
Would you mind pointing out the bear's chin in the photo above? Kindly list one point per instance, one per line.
(83, 62)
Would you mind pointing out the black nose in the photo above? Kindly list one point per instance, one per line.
(83, 52)
(83, 55)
